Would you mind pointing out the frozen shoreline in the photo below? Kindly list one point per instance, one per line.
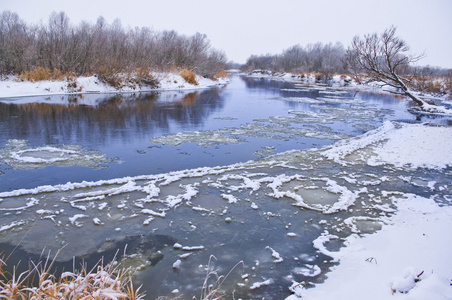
(10, 88)
(410, 254)
(410, 257)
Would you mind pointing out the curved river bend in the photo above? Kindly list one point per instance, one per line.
(187, 183)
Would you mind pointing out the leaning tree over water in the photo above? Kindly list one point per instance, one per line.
(385, 59)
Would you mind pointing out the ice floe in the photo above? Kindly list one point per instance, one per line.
(20, 155)
(350, 188)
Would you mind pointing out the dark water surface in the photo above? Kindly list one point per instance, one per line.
(121, 126)
(125, 156)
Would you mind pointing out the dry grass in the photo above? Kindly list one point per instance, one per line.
(40, 74)
(132, 79)
(213, 290)
(189, 76)
(220, 74)
(100, 283)
(428, 84)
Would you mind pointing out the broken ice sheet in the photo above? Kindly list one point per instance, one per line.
(21, 156)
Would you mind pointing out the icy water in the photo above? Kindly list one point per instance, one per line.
(190, 185)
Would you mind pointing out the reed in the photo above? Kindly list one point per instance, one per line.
(102, 282)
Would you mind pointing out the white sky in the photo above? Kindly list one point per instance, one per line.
(245, 27)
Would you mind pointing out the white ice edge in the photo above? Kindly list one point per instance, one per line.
(9, 88)
(378, 265)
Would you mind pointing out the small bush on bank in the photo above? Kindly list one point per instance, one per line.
(188, 76)
(449, 84)
(144, 77)
(41, 74)
(221, 74)
(134, 79)
(428, 84)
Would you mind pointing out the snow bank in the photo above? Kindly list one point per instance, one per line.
(409, 259)
(399, 144)
(417, 146)
(168, 81)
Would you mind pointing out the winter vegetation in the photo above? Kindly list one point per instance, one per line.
(381, 58)
(91, 57)
(314, 58)
(101, 282)
(60, 50)
(384, 59)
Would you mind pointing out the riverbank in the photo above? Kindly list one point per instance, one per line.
(409, 257)
(11, 87)
(253, 205)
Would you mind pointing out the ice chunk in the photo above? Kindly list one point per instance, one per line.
(257, 285)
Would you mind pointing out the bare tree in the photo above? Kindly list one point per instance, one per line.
(383, 57)
(324, 59)
(101, 48)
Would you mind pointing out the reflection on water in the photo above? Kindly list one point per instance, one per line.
(106, 116)
(181, 188)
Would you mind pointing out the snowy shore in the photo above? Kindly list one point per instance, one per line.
(410, 257)
(407, 259)
(11, 87)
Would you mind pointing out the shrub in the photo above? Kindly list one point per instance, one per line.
(221, 74)
(427, 84)
(143, 76)
(449, 83)
(189, 76)
(40, 74)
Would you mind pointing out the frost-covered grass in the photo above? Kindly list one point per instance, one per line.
(101, 282)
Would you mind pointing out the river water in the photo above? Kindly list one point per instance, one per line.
(188, 185)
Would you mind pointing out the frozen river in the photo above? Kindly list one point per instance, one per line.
(268, 173)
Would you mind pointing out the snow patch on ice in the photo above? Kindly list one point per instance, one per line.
(19, 155)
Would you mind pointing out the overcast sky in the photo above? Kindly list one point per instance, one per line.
(245, 27)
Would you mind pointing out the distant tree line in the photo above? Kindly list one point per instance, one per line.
(100, 48)
(325, 59)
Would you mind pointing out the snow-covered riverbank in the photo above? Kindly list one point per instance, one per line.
(11, 87)
(395, 176)
(410, 257)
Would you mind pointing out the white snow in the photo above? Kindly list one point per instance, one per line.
(410, 257)
(416, 145)
(257, 285)
(74, 219)
(10, 88)
(12, 225)
(413, 145)
(389, 261)
(275, 255)
(193, 248)
(308, 270)
(410, 254)
(177, 264)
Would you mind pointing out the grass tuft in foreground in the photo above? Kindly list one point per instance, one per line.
(101, 282)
